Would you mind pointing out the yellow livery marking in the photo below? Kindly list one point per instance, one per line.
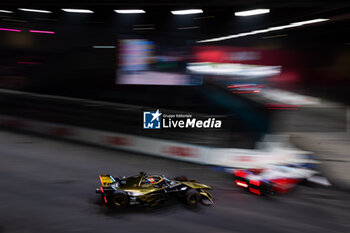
(105, 180)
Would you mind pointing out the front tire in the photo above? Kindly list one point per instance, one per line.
(192, 197)
(119, 200)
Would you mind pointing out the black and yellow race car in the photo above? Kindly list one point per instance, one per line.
(147, 190)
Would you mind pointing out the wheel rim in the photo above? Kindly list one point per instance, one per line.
(118, 201)
(193, 199)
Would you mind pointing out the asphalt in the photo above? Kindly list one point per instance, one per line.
(49, 186)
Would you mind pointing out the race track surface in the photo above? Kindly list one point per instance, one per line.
(49, 186)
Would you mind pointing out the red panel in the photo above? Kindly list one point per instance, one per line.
(256, 170)
(255, 182)
(119, 141)
(254, 191)
(240, 173)
(252, 56)
(284, 185)
(180, 151)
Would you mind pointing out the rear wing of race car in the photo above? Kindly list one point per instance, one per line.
(106, 180)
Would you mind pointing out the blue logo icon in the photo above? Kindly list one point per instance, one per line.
(151, 120)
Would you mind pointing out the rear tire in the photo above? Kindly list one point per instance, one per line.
(119, 200)
(192, 197)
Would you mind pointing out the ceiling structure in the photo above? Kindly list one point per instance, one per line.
(217, 19)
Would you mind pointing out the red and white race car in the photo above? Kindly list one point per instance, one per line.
(276, 179)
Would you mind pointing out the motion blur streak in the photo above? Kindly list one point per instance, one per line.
(77, 10)
(44, 32)
(133, 11)
(252, 12)
(297, 24)
(35, 10)
(10, 30)
(6, 11)
(187, 12)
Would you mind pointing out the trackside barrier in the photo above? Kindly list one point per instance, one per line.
(268, 153)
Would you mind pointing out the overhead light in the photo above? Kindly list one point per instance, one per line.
(10, 30)
(309, 21)
(130, 11)
(246, 34)
(252, 12)
(35, 10)
(5, 11)
(261, 31)
(296, 24)
(40, 31)
(77, 10)
(187, 12)
(282, 27)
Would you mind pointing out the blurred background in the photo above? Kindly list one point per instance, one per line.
(87, 70)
